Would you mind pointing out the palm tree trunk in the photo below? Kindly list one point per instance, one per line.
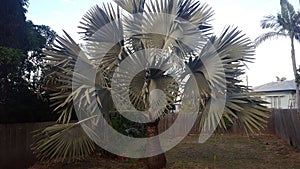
(153, 145)
(297, 101)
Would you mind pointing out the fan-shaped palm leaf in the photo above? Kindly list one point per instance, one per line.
(62, 143)
(131, 6)
(227, 54)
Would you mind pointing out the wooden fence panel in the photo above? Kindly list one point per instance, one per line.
(287, 125)
(15, 144)
(168, 120)
(283, 122)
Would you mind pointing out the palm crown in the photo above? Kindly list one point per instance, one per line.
(151, 34)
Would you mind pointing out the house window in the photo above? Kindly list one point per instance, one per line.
(275, 102)
(292, 102)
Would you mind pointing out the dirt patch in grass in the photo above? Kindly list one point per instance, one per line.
(220, 151)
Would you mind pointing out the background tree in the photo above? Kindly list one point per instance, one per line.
(284, 24)
(66, 141)
(13, 23)
(21, 63)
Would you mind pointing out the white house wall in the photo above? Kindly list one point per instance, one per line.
(279, 100)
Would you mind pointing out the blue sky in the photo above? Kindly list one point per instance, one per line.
(272, 57)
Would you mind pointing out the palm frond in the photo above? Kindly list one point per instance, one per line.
(103, 31)
(131, 6)
(270, 22)
(162, 6)
(138, 72)
(160, 105)
(164, 31)
(196, 13)
(211, 115)
(62, 57)
(287, 10)
(247, 108)
(102, 24)
(222, 58)
(62, 143)
(268, 36)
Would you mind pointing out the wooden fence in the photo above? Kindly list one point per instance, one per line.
(168, 120)
(287, 126)
(285, 123)
(15, 141)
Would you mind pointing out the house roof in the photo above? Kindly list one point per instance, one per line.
(289, 85)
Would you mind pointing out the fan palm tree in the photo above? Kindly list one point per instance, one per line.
(178, 29)
(284, 24)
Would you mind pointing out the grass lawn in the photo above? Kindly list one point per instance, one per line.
(220, 151)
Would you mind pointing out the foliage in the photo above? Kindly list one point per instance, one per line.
(11, 66)
(17, 102)
(12, 23)
(38, 37)
(127, 127)
(21, 63)
(69, 142)
(232, 48)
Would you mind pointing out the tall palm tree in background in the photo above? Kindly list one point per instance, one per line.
(66, 141)
(284, 24)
